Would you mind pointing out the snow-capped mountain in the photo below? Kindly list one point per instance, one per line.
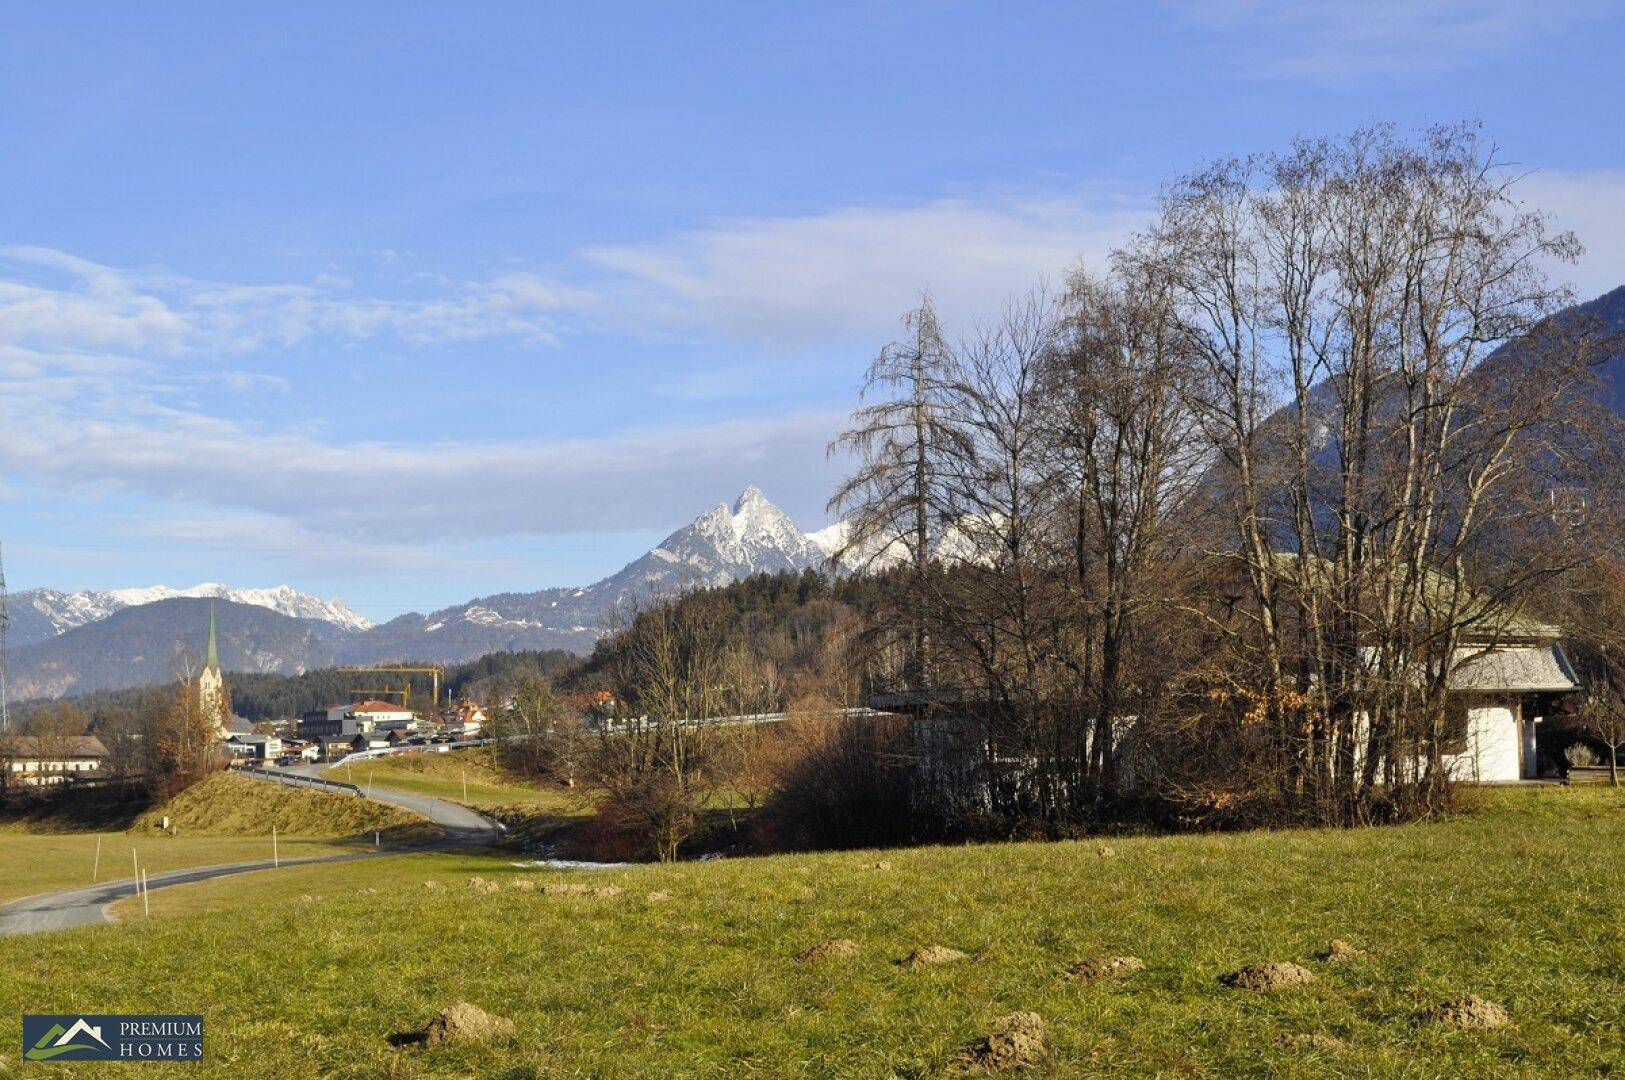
(970, 539)
(875, 554)
(39, 614)
(70, 642)
(143, 644)
(726, 543)
(721, 545)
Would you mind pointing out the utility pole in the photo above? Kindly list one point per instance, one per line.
(5, 715)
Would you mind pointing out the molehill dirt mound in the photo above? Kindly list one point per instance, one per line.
(577, 888)
(1264, 978)
(1312, 1041)
(931, 955)
(1471, 1013)
(834, 949)
(1016, 1041)
(1104, 967)
(479, 884)
(658, 897)
(1340, 951)
(463, 1024)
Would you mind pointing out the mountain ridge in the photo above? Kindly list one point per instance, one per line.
(159, 641)
(42, 613)
(725, 543)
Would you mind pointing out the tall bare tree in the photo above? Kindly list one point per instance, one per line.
(1367, 277)
(897, 437)
(1125, 453)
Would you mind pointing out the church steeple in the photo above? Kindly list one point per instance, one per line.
(211, 660)
(211, 686)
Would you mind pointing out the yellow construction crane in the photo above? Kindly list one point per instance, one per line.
(406, 689)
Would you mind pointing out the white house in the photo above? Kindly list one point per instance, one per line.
(37, 762)
(1499, 693)
(373, 715)
(255, 747)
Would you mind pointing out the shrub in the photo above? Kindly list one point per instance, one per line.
(842, 783)
(1579, 755)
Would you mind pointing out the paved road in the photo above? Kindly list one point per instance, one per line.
(463, 826)
(88, 907)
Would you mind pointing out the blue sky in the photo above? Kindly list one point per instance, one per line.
(407, 303)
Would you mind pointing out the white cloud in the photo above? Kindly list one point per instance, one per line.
(414, 494)
(295, 548)
(54, 300)
(848, 274)
(1340, 40)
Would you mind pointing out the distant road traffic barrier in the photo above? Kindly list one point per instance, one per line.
(301, 780)
(611, 726)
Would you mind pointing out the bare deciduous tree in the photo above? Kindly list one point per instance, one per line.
(898, 442)
(656, 763)
(1367, 278)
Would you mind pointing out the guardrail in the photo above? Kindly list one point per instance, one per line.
(410, 748)
(610, 726)
(298, 779)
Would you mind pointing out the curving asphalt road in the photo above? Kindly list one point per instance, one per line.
(88, 906)
(464, 827)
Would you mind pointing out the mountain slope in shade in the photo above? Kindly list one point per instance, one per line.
(40, 614)
(153, 643)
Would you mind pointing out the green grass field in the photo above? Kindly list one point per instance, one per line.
(1522, 903)
(444, 775)
(34, 863)
(225, 819)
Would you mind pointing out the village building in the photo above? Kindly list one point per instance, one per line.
(254, 747)
(369, 740)
(463, 720)
(39, 761)
(331, 747)
(356, 717)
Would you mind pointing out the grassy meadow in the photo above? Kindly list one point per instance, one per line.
(1522, 902)
(462, 776)
(225, 819)
(33, 863)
